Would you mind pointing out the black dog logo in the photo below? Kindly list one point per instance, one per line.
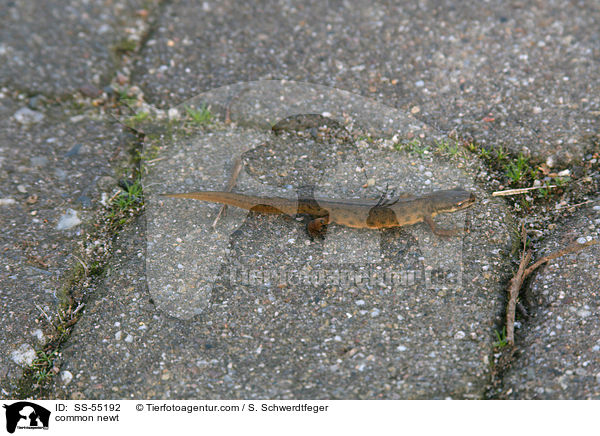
(31, 413)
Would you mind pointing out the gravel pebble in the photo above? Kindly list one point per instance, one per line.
(66, 377)
(28, 116)
(24, 355)
(68, 220)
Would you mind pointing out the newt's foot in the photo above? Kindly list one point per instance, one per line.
(447, 232)
(439, 231)
(317, 228)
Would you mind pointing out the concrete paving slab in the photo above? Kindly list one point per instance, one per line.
(51, 163)
(253, 336)
(57, 47)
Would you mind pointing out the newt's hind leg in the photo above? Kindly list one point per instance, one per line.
(439, 231)
(317, 228)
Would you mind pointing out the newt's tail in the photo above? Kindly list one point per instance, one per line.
(271, 205)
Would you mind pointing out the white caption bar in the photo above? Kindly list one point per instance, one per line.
(149, 417)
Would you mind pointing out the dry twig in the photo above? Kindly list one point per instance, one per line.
(85, 267)
(519, 190)
(45, 315)
(569, 206)
(516, 282)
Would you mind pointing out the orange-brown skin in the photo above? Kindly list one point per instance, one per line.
(358, 214)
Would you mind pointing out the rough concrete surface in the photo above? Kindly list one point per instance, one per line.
(560, 357)
(57, 47)
(504, 72)
(53, 171)
(517, 75)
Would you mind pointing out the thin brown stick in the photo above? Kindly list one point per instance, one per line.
(45, 316)
(569, 249)
(514, 287)
(85, 267)
(568, 206)
(156, 160)
(516, 282)
(237, 167)
(519, 190)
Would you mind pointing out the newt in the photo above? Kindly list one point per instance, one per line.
(354, 213)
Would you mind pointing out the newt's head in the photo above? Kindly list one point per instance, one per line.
(451, 200)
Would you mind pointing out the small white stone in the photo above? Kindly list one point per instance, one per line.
(459, 335)
(66, 377)
(39, 334)
(401, 348)
(68, 220)
(118, 335)
(129, 338)
(584, 313)
(24, 355)
(581, 240)
(360, 302)
(28, 116)
(77, 118)
(375, 313)
(564, 173)
(7, 201)
(173, 114)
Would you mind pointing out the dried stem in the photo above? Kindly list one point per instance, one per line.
(516, 283)
(519, 190)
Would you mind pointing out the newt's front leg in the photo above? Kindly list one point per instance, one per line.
(439, 231)
(317, 227)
